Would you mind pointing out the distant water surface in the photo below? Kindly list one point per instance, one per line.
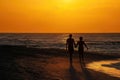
(100, 43)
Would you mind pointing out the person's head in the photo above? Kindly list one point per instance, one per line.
(81, 38)
(70, 35)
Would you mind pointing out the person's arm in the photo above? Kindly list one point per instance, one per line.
(74, 43)
(85, 45)
(77, 44)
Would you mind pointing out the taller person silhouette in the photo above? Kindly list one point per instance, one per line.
(70, 43)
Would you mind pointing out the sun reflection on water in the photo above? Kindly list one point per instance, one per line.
(111, 67)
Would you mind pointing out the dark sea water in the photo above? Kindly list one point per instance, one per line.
(100, 43)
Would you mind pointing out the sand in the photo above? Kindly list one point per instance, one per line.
(25, 63)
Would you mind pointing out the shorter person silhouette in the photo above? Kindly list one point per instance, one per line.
(81, 45)
(70, 43)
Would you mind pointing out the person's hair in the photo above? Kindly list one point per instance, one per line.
(70, 35)
(81, 38)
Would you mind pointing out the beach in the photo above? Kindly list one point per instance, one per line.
(27, 63)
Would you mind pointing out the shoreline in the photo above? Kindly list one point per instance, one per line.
(58, 49)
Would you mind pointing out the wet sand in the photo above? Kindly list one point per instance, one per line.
(23, 63)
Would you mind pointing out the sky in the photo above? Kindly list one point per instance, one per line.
(59, 16)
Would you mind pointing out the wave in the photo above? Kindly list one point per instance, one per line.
(108, 43)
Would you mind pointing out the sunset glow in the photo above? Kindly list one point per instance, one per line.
(60, 16)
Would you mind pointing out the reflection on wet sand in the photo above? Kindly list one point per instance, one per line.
(111, 67)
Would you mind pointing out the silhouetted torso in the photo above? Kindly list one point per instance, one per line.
(80, 46)
(70, 42)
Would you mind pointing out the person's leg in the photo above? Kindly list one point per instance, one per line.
(82, 56)
(83, 59)
(80, 59)
(70, 57)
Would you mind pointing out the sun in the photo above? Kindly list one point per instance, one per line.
(67, 1)
(65, 4)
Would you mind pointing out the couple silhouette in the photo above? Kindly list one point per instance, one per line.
(70, 44)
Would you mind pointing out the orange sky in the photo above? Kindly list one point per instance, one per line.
(61, 16)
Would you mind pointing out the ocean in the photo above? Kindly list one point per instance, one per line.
(108, 43)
